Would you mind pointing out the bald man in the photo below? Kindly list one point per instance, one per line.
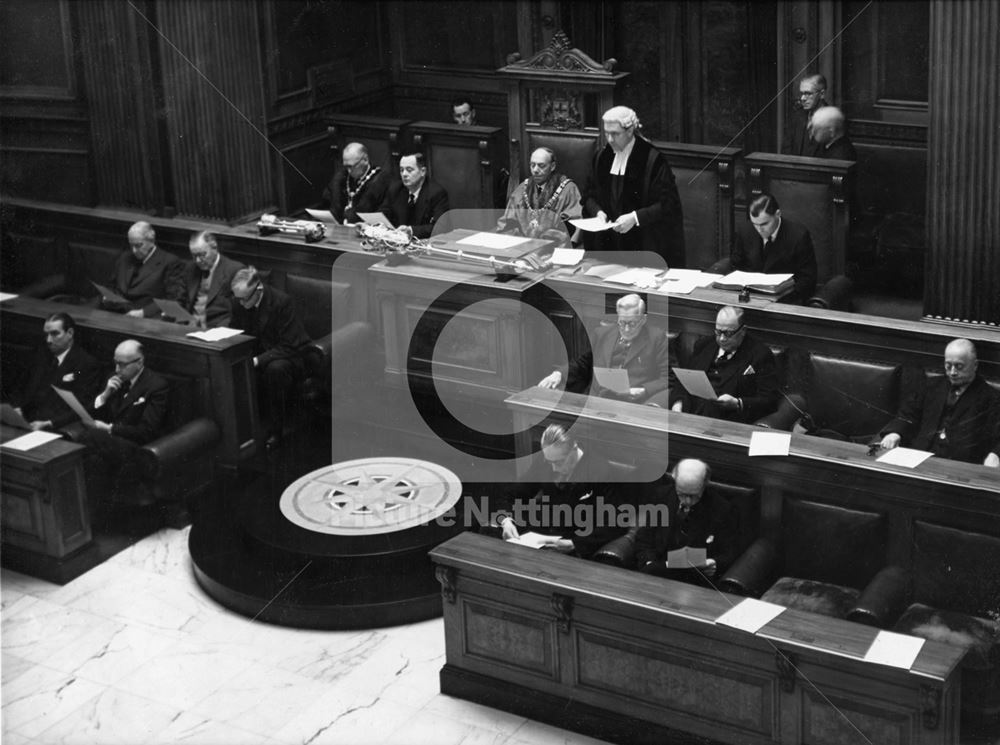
(698, 518)
(540, 205)
(357, 187)
(829, 130)
(741, 369)
(145, 273)
(130, 412)
(955, 416)
(631, 185)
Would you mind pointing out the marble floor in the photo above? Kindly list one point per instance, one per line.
(133, 652)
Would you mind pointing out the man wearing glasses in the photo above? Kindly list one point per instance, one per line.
(741, 369)
(799, 139)
(280, 347)
(357, 187)
(629, 345)
(130, 412)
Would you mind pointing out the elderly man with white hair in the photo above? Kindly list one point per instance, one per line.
(357, 187)
(631, 185)
(541, 204)
(829, 130)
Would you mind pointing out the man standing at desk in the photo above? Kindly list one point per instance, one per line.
(280, 347)
(207, 281)
(799, 137)
(630, 345)
(775, 245)
(357, 187)
(540, 206)
(146, 273)
(565, 492)
(631, 185)
(64, 364)
(129, 413)
(740, 369)
(416, 202)
(698, 518)
(955, 416)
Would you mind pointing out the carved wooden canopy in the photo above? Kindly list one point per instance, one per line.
(560, 57)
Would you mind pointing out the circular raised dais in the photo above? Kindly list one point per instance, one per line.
(370, 496)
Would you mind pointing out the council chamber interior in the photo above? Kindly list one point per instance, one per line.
(370, 501)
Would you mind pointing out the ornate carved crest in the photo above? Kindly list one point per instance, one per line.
(560, 108)
(560, 55)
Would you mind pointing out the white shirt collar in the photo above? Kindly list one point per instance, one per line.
(774, 235)
(61, 357)
(621, 159)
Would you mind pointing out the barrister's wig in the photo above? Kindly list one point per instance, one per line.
(624, 116)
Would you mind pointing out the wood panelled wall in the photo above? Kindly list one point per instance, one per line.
(963, 209)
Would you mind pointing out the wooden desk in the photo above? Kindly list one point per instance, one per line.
(46, 516)
(228, 389)
(634, 658)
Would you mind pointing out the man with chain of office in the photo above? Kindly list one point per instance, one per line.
(540, 205)
(358, 187)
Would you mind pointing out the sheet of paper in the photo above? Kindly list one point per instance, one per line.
(375, 218)
(678, 286)
(31, 440)
(534, 540)
(323, 216)
(216, 334)
(110, 295)
(750, 615)
(895, 650)
(591, 224)
(905, 457)
(567, 256)
(10, 417)
(770, 443)
(686, 558)
(744, 279)
(612, 378)
(604, 270)
(696, 383)
(74, 403)
(174, 309)
(493, 240)
(639, 276)
(6, 296)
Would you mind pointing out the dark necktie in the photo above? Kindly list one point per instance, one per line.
(410, 209)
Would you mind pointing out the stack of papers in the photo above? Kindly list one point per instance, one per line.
(216, 334)
(567, 256)
(604, 270)
(683, 281)
(757, 281)
(31, 440)
(493, 241)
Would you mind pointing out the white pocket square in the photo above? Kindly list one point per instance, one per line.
(749, 370)
(69, 378)
(141, 400)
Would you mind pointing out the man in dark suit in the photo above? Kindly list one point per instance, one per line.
(144, 274)
(798, 137)
(629, 345)
(776, 245)
(357, 187)
(830, 132)
(741, 369)
(697, 518)
(417, 202)
(567, 491)
(130, 412)
(280, 349)
(208, 281)
(64, 364)
(956, 416)
(631, 185)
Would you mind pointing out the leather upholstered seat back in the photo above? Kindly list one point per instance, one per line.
(956, 570)
(852, 397)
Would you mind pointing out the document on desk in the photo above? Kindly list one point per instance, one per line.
(770, 443)
(375, 218)
(696, 383)
(110, 295)
(74, 403)
(895, 650)
(31, 440)
(10, 416)
(604, 270)
(750, 615)
(638, 276)
(174, 310)
(533, 540)
(613, 378)
(905, 457)
(323, 216)
(216, 334)
(494, 241)
(6, 296)
(567, 256)
(686, 558)
(592, 224)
